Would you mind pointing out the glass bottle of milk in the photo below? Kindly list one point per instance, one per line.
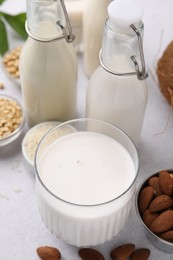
(75, 10)
(48, 63)
(94, 16)
(117, 91)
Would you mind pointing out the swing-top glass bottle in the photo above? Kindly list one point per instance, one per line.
(117, 91)
(48, 63)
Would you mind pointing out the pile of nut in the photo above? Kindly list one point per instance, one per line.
(10, 116)
(156, 205)
(122, 252)
(11, 62)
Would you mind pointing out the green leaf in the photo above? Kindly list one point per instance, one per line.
(17, 22)
(1, 1)
(3, 38)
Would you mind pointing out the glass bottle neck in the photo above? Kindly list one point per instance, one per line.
(42, 18)
(118, 46)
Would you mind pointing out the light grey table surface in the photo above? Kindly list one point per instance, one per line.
(21, 227)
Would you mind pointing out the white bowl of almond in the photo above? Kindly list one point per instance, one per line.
(11, 119)
(154, 207)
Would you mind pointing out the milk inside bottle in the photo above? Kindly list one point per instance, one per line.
(48, 64)
(117, 91)
(94, 16)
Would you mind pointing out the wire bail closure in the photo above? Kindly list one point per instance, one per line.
(67, 32)
(141, 73)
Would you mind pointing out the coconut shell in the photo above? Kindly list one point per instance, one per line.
(165, 73)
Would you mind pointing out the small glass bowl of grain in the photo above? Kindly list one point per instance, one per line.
(32, 139)
(10, 63)
(11, 119)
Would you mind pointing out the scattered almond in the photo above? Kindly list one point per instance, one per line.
(154, 182)
(166, 183)
(161, 202)
(163, 222)
(145, 197)
(122, 252)
(48, 253)
(1, 85)
(90, 254)
(119, 253)
(140, 254)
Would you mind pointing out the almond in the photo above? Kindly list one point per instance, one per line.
(145, 198)
(48, 253)
(163, 222)
(168, 236)
(149, 217)
(154, 182)
(90, 254)
(166, 183)
(161, 202)
(140, 254)
(122, 252)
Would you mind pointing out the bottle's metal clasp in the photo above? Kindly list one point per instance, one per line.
(141, 73)
(67, 31)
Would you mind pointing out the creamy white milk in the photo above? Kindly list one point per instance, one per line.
(75, 10)
(85, 168)
(95, 15)
(116, 93)
(48, 77)
(118, 100)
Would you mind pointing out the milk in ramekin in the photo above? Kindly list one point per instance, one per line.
(86, 181)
